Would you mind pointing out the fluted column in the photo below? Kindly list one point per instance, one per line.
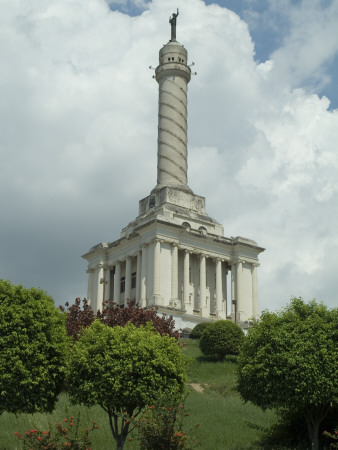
(233, 291)
(187, 306)
(157, 272)
(174, 276)
(100, 287)
(204, 308)
(144, 266)
(219, 289)
(239, 299)
(106, 288)
(117, 282)
(90, 286)
(127, 280)
(255, 313)
(138, 276)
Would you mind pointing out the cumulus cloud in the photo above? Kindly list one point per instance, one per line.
(79, 121)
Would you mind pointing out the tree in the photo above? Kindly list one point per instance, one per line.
(221, 338)
(123, 369)
(289, 360)
(198, 330)
(33, 344)
(113, 315)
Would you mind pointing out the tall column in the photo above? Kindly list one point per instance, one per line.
(204, 308)
(128, 281)
(100, 287)
(138, 277)
(239, 299)
(157, 300)
(173, 74)
(90, 286)
(144, 266)
(187, 305)
(174, 276)
(255, 313)
(233, 291)
(117, 283)
(219, 290)
(106, 287)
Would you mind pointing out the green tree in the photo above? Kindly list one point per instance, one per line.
(198, 330)
(221, 338)
(289, 360)
(123, 369)
(33, 343)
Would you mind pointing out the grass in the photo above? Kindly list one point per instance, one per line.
(226, 422)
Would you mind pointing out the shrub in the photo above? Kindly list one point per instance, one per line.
(64, 434)
(198, 330)
(79, 318)
(161, 426)
(33, 345)
(221, 338)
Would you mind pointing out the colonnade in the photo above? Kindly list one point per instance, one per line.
(172, 275)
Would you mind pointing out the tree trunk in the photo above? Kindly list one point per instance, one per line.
(314, 417)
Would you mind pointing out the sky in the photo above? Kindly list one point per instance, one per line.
(78, 133)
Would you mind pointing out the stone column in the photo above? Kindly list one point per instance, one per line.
(255, 313)
(233, 291)
(143, 295)
(239, 299)
(117, 282)
(174, 277)
(204, 308)
(219, 290)
(157, 300)
(106, 288)
(127, 280)
(138, 277)
(90, 286)
(100, 287)
(187, 306)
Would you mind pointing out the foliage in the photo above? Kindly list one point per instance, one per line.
(221, 338)
(161, 426)
(123, 369)
(289, 360)
(33, 344)
(113, 315)
(198, 329)
(332, 437)
(291, 430)
(65, 434)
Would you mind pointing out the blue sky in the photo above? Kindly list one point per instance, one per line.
(79, 131)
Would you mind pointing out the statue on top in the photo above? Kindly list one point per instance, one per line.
(172, 21)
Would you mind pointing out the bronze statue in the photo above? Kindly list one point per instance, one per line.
(172, 21)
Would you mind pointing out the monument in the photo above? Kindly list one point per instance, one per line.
(173, 255)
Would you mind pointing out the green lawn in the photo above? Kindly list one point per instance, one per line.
(226, 422)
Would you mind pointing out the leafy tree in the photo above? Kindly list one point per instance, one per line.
(113, 315)
(123, 369)
(221, 338)
(32, 349)
(289, 360)
(198, 330)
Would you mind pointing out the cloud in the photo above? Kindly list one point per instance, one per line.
(79, 120)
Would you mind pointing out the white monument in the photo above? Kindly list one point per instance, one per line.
(173, 255)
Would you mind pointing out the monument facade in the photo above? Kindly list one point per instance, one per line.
(173, 255)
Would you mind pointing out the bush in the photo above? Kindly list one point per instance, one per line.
(33, 346)
(198, 330)
(221, 338)
(64, 434)
(161, 426)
